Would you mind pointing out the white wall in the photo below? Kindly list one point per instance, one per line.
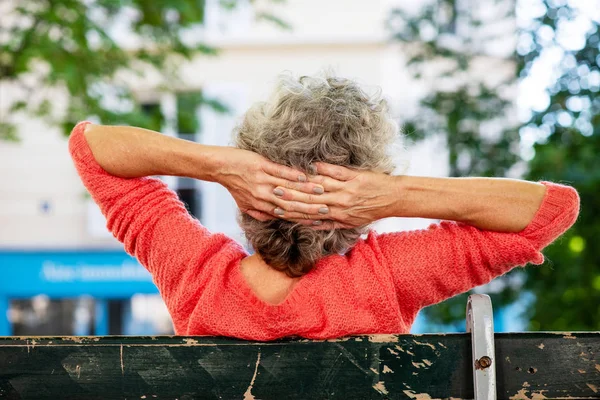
(345, 35)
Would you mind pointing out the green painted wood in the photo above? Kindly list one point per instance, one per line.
(529, 366)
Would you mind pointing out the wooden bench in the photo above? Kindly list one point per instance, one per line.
(515, 366)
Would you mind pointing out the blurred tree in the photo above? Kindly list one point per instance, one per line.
(567, 149)
(566, 136)
(447, 44)
(87, 47)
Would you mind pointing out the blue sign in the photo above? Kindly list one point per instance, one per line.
(59, 274)
(72, 273)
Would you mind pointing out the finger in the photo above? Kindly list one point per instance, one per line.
(294, 195)
(329, 225)
(281, 171)
(259, 215)
(294, 215)
(336, 172)
(305, 187)
(307, 222)
(303, 208)
(327, 183)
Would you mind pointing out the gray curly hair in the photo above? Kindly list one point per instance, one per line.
(311, 119)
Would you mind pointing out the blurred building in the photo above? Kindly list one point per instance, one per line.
(54, 246)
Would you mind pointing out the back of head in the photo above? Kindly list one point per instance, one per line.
(326, 119)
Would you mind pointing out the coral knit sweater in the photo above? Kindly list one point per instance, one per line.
(377, 287)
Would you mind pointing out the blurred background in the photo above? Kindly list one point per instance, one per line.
(480, 88)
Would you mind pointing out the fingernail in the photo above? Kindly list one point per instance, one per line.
(301, 178)
(323, 210)
(317, 222)
(318, 190)
(279, 211)
(278, 192)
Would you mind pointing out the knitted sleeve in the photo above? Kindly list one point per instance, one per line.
(154, 226)
(450, 258)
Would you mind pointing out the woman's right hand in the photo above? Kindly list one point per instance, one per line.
(354, 197)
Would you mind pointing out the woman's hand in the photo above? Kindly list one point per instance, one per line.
(353, 198)
(254, 183)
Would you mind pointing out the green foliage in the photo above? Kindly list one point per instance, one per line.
(77, 45)
(567, 287)
(439, 38)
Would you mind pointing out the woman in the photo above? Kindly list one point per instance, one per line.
(309, 173)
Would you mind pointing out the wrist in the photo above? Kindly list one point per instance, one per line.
(199, 161)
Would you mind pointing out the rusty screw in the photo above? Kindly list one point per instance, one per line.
(483, 363)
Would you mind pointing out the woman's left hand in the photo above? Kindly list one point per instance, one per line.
(255, 182)
(354, 198)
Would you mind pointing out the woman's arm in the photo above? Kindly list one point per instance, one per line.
(130, 152)
(494, 204)
(358, 198)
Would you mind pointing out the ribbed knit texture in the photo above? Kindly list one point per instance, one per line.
(377, 287)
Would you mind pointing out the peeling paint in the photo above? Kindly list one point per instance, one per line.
(424, 344)
(417, 396)
(248, 394)
(380, 387)
(593, 387)
(541, 346)
(521, 394)
(387, 370)
(122, 365)
(384, 338)
(539, 395)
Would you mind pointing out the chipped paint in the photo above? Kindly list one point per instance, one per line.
(424, 344)
(442, 344)
(539, 395)
(593, 387)
(387, 370)
(383, 338)
(581, 371)
(507, 359)
(526, 384)
(248, 394)
(392, 351)
(417, 396)
(521, 394)
(418, 365)
(380, 387)
(190, 342)
(374, 370)
(598, 367)
(427, 362)
(541, 346)
(569, 336)
(122, 365)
